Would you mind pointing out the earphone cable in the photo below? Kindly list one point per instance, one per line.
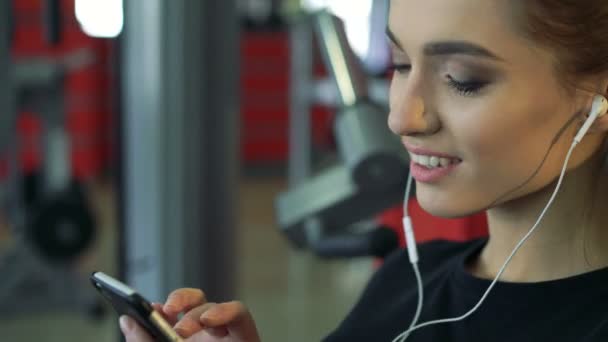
(404, 335)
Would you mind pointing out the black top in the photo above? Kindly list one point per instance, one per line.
(573, 309)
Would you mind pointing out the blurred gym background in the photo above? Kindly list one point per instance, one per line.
(238, 146)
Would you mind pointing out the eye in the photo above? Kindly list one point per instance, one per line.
(468, 88)
(400, 68)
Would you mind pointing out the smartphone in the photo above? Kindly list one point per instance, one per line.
(127, 301)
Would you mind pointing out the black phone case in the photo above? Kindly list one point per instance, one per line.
(134, 306)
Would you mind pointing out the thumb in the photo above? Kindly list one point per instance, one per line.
(133, 332)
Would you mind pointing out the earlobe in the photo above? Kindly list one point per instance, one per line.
(600, 125)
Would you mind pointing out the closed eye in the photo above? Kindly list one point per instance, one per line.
(468, 88)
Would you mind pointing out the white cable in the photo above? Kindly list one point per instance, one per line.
(404, 335)
(408, 228)
(406, 197)
(413, 255)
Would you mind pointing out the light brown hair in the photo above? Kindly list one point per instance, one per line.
(577, 30)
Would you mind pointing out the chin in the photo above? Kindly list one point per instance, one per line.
(445, 206)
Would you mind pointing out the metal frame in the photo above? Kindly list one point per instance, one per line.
(301, 45)
(8, 117)
(180, 136)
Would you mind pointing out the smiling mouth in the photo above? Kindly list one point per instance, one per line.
(432, 162)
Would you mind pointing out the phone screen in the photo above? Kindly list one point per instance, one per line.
(127, 301)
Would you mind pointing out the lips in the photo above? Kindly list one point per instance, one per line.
(427, 152)
(430, 166)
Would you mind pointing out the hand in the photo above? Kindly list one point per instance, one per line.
(201, 322)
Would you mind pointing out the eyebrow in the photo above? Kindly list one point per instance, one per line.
(443, 48)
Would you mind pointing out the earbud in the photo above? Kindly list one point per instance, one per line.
(598, 108)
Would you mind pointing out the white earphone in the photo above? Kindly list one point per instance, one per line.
(599, 107)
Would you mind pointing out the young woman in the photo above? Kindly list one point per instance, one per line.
(487, 96)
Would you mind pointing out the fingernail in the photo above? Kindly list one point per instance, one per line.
(184, 327)
(208, 315)
(126, 324)
(181, 331)
(170, 309)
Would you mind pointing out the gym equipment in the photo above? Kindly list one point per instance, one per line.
(56, 225)
(51, 221)
(63, 227)
(373, 166)
(58, 221)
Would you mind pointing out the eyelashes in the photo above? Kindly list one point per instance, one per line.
(464, 88)
(468, 88)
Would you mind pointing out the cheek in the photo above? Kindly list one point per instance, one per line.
(507, 130)
(504, 153)
(483, 133)
(500, 151)
(482, 173)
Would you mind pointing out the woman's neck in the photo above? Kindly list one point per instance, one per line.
(568, 241)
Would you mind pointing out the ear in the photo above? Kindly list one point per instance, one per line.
(600, 125)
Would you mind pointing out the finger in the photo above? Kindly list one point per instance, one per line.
(159, 308)
(190, 323)
(183, 300)
(132, 331)
(235, 316)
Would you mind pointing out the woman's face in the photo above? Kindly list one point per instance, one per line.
(468, 85)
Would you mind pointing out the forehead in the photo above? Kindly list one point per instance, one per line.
(443, 16)
(488, 23)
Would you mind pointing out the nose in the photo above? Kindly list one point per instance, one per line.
(408, 113)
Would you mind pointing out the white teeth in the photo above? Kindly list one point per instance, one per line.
(430, 161)
(424, 160)
(434, 161)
